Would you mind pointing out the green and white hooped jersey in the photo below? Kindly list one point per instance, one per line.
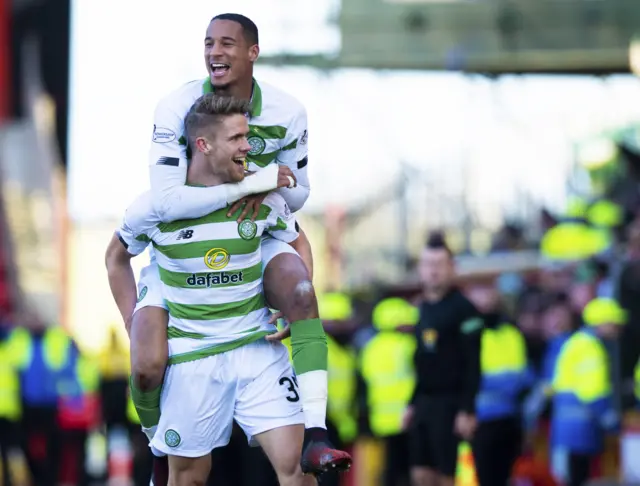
(277, 122)
(278, 126)
(211, 273)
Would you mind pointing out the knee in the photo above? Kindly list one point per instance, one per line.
(147, 372)
(304, 299)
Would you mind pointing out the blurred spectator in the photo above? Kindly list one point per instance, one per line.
(605, 285)
(78, 386)
(629, 298)
(42, 353)
(336, 310)
(509, 238)
(529, 310)
(583, 287)
(447, 363)
(583, 403)
(505, 378)
(558, 323)
(387, 370)
(546, 220)
(117, 408)
(114, 383)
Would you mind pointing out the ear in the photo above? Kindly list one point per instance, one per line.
(203, 145)
(254, 53)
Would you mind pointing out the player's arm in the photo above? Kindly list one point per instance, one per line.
(124, 245)
(121, 280)
(172, 200)
(471, 336)
(294, 155)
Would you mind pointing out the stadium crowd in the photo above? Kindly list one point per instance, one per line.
(558, 346)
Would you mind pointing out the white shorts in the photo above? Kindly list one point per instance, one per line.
(253, 384)
(150, 288)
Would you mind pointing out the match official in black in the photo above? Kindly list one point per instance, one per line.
(447, 362)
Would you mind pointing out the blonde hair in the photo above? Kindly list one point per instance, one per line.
(209, 109)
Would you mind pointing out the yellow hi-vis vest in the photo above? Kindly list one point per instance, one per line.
(56, 348)
(341, 406)
(10, 400)
(56, 345)
(386, 363)
(503, 350)
(582, 369)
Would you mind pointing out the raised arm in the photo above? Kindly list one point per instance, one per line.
(172, 200)
(294, 155)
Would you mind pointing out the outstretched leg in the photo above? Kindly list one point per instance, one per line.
(288, 288)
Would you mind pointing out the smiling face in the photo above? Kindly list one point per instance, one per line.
(226, 148)
(228, 54)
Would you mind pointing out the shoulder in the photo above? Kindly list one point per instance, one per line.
(511, 329)
(181, 99)
(582, 344)
(277, 101)
(465, 308)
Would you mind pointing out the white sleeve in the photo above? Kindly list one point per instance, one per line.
(137, 220)
(172, 200)
(294, 155)
(281, 222)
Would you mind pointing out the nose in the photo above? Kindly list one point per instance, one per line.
(246, 147)
(215, 51)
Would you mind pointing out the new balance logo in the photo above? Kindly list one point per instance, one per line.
(170, 161)
(185, 234)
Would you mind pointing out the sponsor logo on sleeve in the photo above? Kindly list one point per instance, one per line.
(162, 135)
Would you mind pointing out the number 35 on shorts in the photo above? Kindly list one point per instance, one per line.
(291, 385)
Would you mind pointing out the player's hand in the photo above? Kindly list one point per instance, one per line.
(283, 333)
(465, 425)
(250, 206)
(285, 177)
(275, 316)
(407, 417)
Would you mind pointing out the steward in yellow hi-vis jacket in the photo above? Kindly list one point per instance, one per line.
(504, 378)
(386, 366)
(336, 312)
(583, 407)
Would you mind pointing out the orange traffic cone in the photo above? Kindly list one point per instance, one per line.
(466, 468)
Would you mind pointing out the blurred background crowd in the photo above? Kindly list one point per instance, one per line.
(506, 131)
